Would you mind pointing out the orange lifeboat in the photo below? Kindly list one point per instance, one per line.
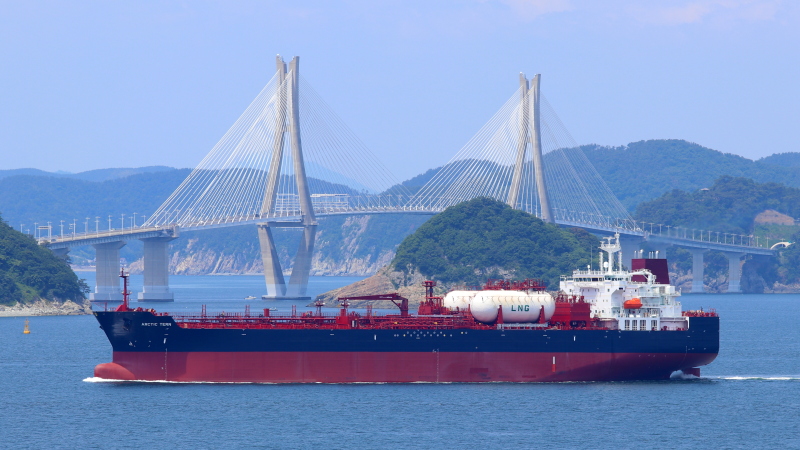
(633, 303)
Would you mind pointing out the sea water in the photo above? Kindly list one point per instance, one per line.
(748, 397)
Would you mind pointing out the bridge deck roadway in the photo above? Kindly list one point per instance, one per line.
(710, 245)
(103, 237)
(58, 242)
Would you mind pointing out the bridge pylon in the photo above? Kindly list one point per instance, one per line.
(287, 120)
(530, 132)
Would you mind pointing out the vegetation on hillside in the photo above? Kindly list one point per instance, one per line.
(790, 159)
(29, 272)
(642, 171)
(730, 205)
(485, 238)
(26, 199)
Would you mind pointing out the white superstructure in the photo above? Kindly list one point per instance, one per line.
(618, 302)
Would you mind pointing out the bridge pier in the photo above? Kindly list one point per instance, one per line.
(107, 272)
(156, 270)
(734, 271)
(273, 273)
(298, 282)
(697, 270)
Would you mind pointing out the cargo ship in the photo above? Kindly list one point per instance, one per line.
(610, 324)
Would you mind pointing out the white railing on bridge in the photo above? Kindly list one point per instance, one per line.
(699, 235)
(340, 204)
(99, 234)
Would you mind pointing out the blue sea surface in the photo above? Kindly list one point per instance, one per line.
(748, 397)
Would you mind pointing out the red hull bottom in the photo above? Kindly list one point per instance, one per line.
(394, 367)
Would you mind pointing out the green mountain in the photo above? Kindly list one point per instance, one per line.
(25, 199)
(29, 272)
(731, 205)
(782, 160)
(471, 242)
(484, 238)
(642, 171)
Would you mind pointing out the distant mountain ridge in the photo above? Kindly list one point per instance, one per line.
(89, 175)
(791, 159)
(636, 173)
(644, 170)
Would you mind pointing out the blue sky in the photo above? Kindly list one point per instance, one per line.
(86, 85)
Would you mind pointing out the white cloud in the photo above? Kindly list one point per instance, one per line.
(704, 11)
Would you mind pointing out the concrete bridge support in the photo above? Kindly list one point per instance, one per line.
(289, 101)
(156, 271)
(734, 271)
(107, 287)
(273, 273)
(298, 282)
(697, 270)
(530, 133)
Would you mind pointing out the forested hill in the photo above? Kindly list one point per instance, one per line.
(729, 205)
(642, 171)
(28, 199)
(782, 159)
(484, 238)
(743, 207)
(29, 272)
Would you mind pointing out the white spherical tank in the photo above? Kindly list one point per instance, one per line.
(483, 307)
(518, 306)
(458, 299)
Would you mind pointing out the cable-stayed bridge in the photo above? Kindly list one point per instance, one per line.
(269, 171)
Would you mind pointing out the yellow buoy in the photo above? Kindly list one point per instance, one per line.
(27, 329)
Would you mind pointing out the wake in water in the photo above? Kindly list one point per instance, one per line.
(677, 376)
(759, 378)
(107, 380)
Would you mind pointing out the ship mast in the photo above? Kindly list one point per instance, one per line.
(611, 246)
(125, 294)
